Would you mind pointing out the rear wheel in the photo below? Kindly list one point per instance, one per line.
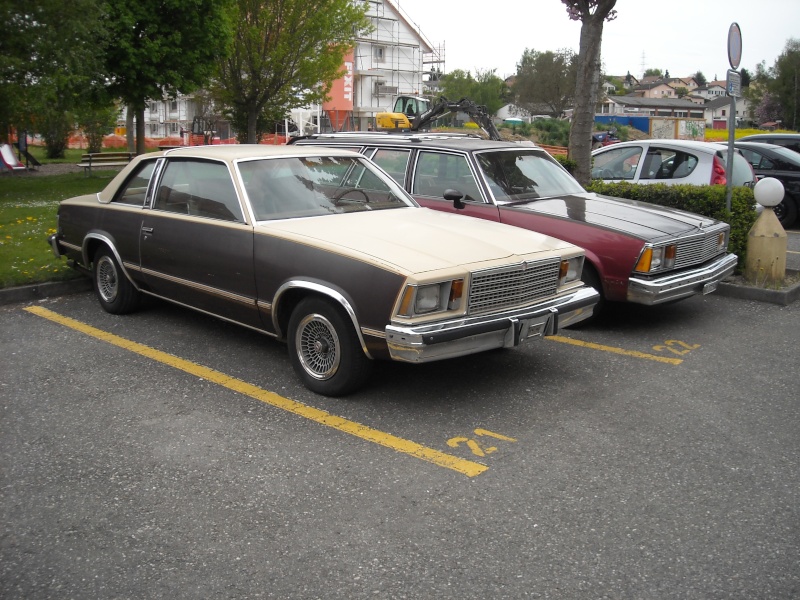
(324, 349)
(116, 294)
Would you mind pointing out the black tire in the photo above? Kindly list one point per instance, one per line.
(116, 294)
(786, 211)
(590, 277)
(324, 349)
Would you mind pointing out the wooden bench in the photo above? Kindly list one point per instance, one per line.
(104, 159)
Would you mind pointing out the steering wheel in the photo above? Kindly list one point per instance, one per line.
(344, 192)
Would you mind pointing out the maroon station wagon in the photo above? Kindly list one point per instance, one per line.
(635, 252)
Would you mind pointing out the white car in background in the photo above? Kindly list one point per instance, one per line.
(669, 161)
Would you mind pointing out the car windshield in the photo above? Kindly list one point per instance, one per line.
(523, 175)
(283, 188)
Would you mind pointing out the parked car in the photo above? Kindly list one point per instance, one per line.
(771, 160)
(321, 249)
(669, 161)
(787, 140)
(635, 252)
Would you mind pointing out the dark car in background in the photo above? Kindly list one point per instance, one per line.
(771, 160)
(635, 252)
(787, 140)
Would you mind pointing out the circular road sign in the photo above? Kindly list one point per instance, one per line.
(734, 46)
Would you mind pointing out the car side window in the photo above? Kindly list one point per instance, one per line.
(663, 163)
(198, 187)
(135, 189)
(394, 162)
(438, 171)
(616, 163)
(758, 161)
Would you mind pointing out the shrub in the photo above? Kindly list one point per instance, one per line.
(707, 200)
(566, 162)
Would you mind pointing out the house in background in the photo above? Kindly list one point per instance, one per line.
(709, 91)
(718, 110)
(394, 59)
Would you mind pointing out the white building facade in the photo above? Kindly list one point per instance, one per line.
(389, 61)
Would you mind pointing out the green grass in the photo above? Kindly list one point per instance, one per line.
(28, 206)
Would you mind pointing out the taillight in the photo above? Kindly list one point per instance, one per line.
(718, 172)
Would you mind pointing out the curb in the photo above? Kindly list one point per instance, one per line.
(782, 297)
(37, 291)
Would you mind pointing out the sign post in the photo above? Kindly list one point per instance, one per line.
(734, 90)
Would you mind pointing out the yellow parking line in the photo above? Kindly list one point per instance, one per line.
(466, 467)
(634, 353)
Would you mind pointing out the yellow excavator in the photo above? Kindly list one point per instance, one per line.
(414, 113)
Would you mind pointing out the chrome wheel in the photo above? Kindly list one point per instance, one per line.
(318, 346)
(107, 279)
(116, 294)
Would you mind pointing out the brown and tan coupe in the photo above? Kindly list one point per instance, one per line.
(322, 249)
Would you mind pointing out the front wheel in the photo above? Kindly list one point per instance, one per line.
(324, 349)
(786, 211)
(116, 294)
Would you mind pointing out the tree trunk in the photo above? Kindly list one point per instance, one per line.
(586, 90)
(129, 134)
(140, 149)
(252, 122)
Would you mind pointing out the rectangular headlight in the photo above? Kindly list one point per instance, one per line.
(430, 298)
(570, 270)
(657, 259)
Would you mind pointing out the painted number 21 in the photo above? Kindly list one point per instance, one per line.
(477, 448)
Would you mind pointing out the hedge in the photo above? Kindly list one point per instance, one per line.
(707, 200)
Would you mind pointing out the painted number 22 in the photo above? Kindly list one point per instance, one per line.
(676, 347)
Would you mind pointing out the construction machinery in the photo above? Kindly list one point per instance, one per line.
(414, 113)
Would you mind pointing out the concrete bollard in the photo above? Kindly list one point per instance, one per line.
(766, 241)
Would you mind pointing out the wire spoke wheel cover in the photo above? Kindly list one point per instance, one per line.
(107, 279)
(318, 346)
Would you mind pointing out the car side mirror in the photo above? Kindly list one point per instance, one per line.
(456, 197)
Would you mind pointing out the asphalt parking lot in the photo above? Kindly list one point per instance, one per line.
(654, 454)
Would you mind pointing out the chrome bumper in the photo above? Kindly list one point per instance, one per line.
(53, 239)
(702, 280)
(438, 341)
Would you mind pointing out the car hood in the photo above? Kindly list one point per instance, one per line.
(638, 219)
(418, 240)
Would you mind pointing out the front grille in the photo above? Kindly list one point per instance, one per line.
(517, 285)
(697, 250)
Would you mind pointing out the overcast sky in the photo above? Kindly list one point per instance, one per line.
(682, 36)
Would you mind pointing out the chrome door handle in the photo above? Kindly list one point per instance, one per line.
(147, 230)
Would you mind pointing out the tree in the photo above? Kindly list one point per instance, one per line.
(162, 47)
(785, 86)
(681, 91)
(746, 77)
(769, 110)
(546, 78)
(653, 73)
(700, 78)
(592, 14)
(50, 66)
(286, 54)
(457, 84)
(485, 89)
(490, 91)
